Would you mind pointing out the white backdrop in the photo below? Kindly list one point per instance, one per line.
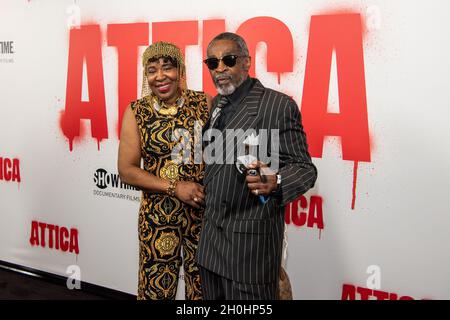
(398, 229)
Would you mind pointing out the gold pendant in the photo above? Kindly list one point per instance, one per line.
(168, 111)
(165, 110)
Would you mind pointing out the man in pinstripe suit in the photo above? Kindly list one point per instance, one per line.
(240, 247)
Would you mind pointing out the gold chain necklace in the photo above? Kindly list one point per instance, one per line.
(165, 110)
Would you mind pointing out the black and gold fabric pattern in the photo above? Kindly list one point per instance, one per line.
(166, 224)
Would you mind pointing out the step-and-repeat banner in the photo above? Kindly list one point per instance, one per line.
(370, 78)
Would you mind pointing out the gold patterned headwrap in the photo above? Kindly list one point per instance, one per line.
(158, 50)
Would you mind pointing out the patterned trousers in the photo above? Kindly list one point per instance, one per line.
(168, 227)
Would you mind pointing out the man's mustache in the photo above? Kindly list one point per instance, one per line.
(222, 77)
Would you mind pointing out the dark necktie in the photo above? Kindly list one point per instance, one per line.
(214, 119)
(217, 118)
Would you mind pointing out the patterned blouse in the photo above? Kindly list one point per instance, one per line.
(162, 133)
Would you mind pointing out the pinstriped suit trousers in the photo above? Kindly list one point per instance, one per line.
(217, 287)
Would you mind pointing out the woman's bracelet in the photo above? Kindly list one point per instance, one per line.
(171, 188)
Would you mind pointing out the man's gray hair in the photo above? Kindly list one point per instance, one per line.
(237, 39)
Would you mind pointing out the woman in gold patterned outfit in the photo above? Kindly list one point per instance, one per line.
(170, 213)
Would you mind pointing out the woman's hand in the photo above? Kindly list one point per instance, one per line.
(191, 193)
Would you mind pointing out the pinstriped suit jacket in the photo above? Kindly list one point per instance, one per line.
(241, 238)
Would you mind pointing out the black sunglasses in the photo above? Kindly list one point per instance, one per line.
(229, 60)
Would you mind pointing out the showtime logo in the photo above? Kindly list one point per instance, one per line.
(9, 170)
(103, 180)
(7, 51)
(54, 237)
(7, 47)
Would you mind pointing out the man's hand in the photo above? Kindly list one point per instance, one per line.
(264, 182)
